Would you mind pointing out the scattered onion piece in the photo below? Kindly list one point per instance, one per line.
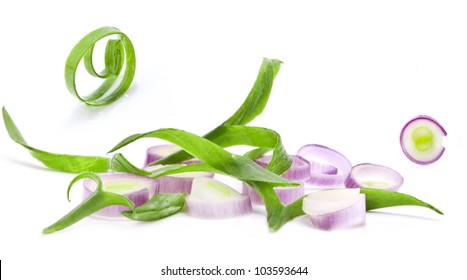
(158, 152)
(322, 160)
(298, 171)
(287, 195)
(211, 199)
(136, 188)
(374, 176)
(177, 183)
(421, 140)
(336, 208)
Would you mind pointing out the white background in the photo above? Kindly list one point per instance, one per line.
(354, 72)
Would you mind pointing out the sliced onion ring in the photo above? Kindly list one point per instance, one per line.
(136, 188)
(177, 183)
(321, 159)
(286, 195)
(421, 140)
(336, 208)
(374, 176)
(211, 199)
(158, 152)
(298, 171)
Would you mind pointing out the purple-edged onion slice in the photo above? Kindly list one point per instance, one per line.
(211, 199)
(336, 208)
(298, 171)
(286, 195)
(421, 140)
(328, 167)
(374, 176)
(177, 183)
(158, 152)
(136, 188)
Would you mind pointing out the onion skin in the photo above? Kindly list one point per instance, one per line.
(138, 197)
(286, 195)
(324, 175)
(405, 149)
(353, 180)
(352, 216)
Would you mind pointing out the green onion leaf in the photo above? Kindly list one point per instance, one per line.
(118, 53)
(97, 201)
(158, 207)
(60, 162)
(376, 199)
(252, 107)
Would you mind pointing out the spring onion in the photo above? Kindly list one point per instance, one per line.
(119, 55)
(60, 162)
(159, 152)
(136, 188)
(323, 161)
(99, 199)
(335, 208)
(211, 199)
(421, 140)
(374, 176)
(177, 183)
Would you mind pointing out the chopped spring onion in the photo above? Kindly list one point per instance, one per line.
(287, 195)
(177, 183)
(159, 152)
(97, 201)
(374, 176)
(323, 159)
(336, 208)
(421, 140)
(119, 54)
(211, 199)
(136, 188)
(298, 171)
(60, 162)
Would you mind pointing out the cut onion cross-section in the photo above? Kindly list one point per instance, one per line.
(158, 152)
(328, 167)
(211, 199)
(136, 188)
(374, 176)
(298, 171)
(177, 183)
(335, 208)
(421, 140)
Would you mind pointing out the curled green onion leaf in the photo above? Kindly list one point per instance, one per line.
(119, 56)
(97, 201)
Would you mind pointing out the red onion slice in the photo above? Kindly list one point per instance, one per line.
(287, 195)
(298, 171)
(136, 188)
(158, 152)
(177, 183)
(374, 176)
(322, 160)
(211, 199)
(421, 140)
(336, 208)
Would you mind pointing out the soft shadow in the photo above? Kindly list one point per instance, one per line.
(86, 112)
(402, 215)
(24, 163)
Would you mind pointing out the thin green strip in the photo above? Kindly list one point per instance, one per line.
(60, 162)
(118, 53)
